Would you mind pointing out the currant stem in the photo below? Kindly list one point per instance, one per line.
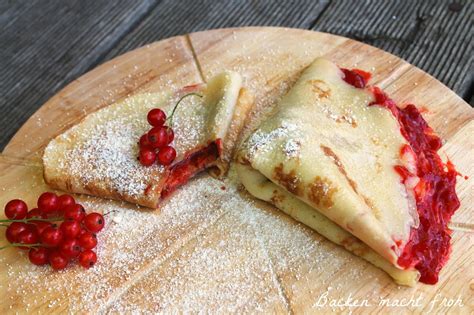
(31, 219)
(20, 245)
(170, 118)
(107, 213)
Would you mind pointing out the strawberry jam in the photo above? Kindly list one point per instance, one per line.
(181, 172)
(428, 247)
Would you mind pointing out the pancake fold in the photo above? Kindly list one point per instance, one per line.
(98, 156)
(326, 158)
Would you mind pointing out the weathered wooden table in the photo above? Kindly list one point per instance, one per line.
(47, 44)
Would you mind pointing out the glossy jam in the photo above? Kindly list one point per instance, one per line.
(356, 77)
(181, 172)
(428, 247)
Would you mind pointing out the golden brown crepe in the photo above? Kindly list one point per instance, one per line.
(326, 158)
(99, 155)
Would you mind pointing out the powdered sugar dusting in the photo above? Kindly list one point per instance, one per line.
(262, 140)
(282, 138)
(101, 152)
(292, 148)
(125, 248)
(224, 270)
(206, 249)
(110, 154)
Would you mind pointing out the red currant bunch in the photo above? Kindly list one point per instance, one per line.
(155, 144)
(57, 232)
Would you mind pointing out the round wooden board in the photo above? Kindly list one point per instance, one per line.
(270, 60)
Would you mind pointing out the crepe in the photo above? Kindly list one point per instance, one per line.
(332, 156)
(98, 156)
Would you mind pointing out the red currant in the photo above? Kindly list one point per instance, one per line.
(70, 229)
(73, 238)
(16, 209)
(48, 202)
(41, 225)
(166, 155)
(74, 213)
(28, 237)
(57, 261)
(38, 256)
(156, 117)
(158, 137)
(70, 248)
(35, 213)
(94, 222)
(87, 258)
(170, 134)
(82, 232)
(14, 229)
(144, 143)
(65, 201)
(32, 227)
(147, 157)
(87, 240)
(51, 236)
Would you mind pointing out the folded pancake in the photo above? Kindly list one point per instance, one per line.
(341, 158)
(99, 155)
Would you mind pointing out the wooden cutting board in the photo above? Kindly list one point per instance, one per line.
(211, 247)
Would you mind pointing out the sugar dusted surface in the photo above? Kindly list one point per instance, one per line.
(110, 154)
(210, 247)
(260, 141)
(326, 268)
(101, 152)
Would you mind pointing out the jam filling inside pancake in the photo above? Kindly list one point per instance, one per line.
(181, 172)
(428, 247)
(356, 77)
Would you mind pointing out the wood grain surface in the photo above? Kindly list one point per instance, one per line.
(244, 236)
(47, 44)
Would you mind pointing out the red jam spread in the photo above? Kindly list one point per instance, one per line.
(181, 172)
(355, 77)
(428, 247)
